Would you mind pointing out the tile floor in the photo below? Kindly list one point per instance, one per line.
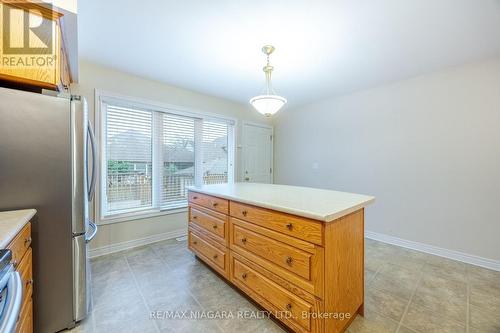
(406, 292)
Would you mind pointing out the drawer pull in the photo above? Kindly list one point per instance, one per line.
(215, 256)
(244, 213)
(244, 240)
(195, 197)
(215, 204)
(195, 242)
(289, 226)
(289, 260)
(27, 241)
(195, 217)
(289, 306)
(215, 226)
(244, 276)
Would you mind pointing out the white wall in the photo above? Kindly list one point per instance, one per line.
(93, 76)
(428, 148)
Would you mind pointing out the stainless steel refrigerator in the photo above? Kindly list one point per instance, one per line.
(46, 162)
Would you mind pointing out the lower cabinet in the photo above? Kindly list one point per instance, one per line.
(212, 252)
(22, 257)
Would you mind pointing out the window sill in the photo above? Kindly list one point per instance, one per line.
(126, 217)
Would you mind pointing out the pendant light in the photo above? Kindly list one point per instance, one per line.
(270, 103)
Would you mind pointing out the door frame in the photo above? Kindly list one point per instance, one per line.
(243, 146)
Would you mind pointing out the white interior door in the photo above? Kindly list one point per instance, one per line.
(257, 153)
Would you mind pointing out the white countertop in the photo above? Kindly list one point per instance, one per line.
(318, 204)
(11, 222)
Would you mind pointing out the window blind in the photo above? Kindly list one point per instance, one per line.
(215, 152)
(128, 154)
(177, 159)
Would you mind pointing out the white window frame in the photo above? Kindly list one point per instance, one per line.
(103, 97)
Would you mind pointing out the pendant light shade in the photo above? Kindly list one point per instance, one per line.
(269, 103)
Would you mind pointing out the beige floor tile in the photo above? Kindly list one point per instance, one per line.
(396, 280)
(477, 273)
(485, 319)
(369, 275)
(385, 303)
(127, 317)
(374, 262)
(449, 269)
(442, 287)
(404, 329)
(372, 322)
(423, 320)
(448, 307)
(485, 296)
(188, 326)
(113, 292)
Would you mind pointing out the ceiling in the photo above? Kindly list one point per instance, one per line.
(323, 48)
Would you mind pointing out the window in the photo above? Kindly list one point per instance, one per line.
(177, 160)
(150, 156)
(129, 154)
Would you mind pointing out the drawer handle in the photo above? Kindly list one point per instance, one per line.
(215, 226)
(244, 240)
(289, 306)
(195, 197)
(215, 204)
(244, 213)
(289, 226)
(195, 217)
(244, 276)
(27, 241)
(215, 256)
(195, 242)
(289, 260)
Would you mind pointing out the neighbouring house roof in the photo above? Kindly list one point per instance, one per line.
(136, 146)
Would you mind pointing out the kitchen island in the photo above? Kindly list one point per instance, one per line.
(297, 251)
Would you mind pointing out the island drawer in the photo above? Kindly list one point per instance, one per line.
(281, 254)
(288, 307)
(213, 222)
(294, 260)
(218, 204)
(302, 228)
(20, 244)
(211, 252)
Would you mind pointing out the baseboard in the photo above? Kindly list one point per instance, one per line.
(117, 247)
(438, 251)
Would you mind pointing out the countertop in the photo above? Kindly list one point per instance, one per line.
(11, 222)
(317, 204)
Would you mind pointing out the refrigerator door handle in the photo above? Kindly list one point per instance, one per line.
(91, 189)
(94, 232)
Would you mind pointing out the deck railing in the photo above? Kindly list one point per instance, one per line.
(136, 188)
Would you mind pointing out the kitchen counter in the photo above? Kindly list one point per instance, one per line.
(317, 204)
(11, 222)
